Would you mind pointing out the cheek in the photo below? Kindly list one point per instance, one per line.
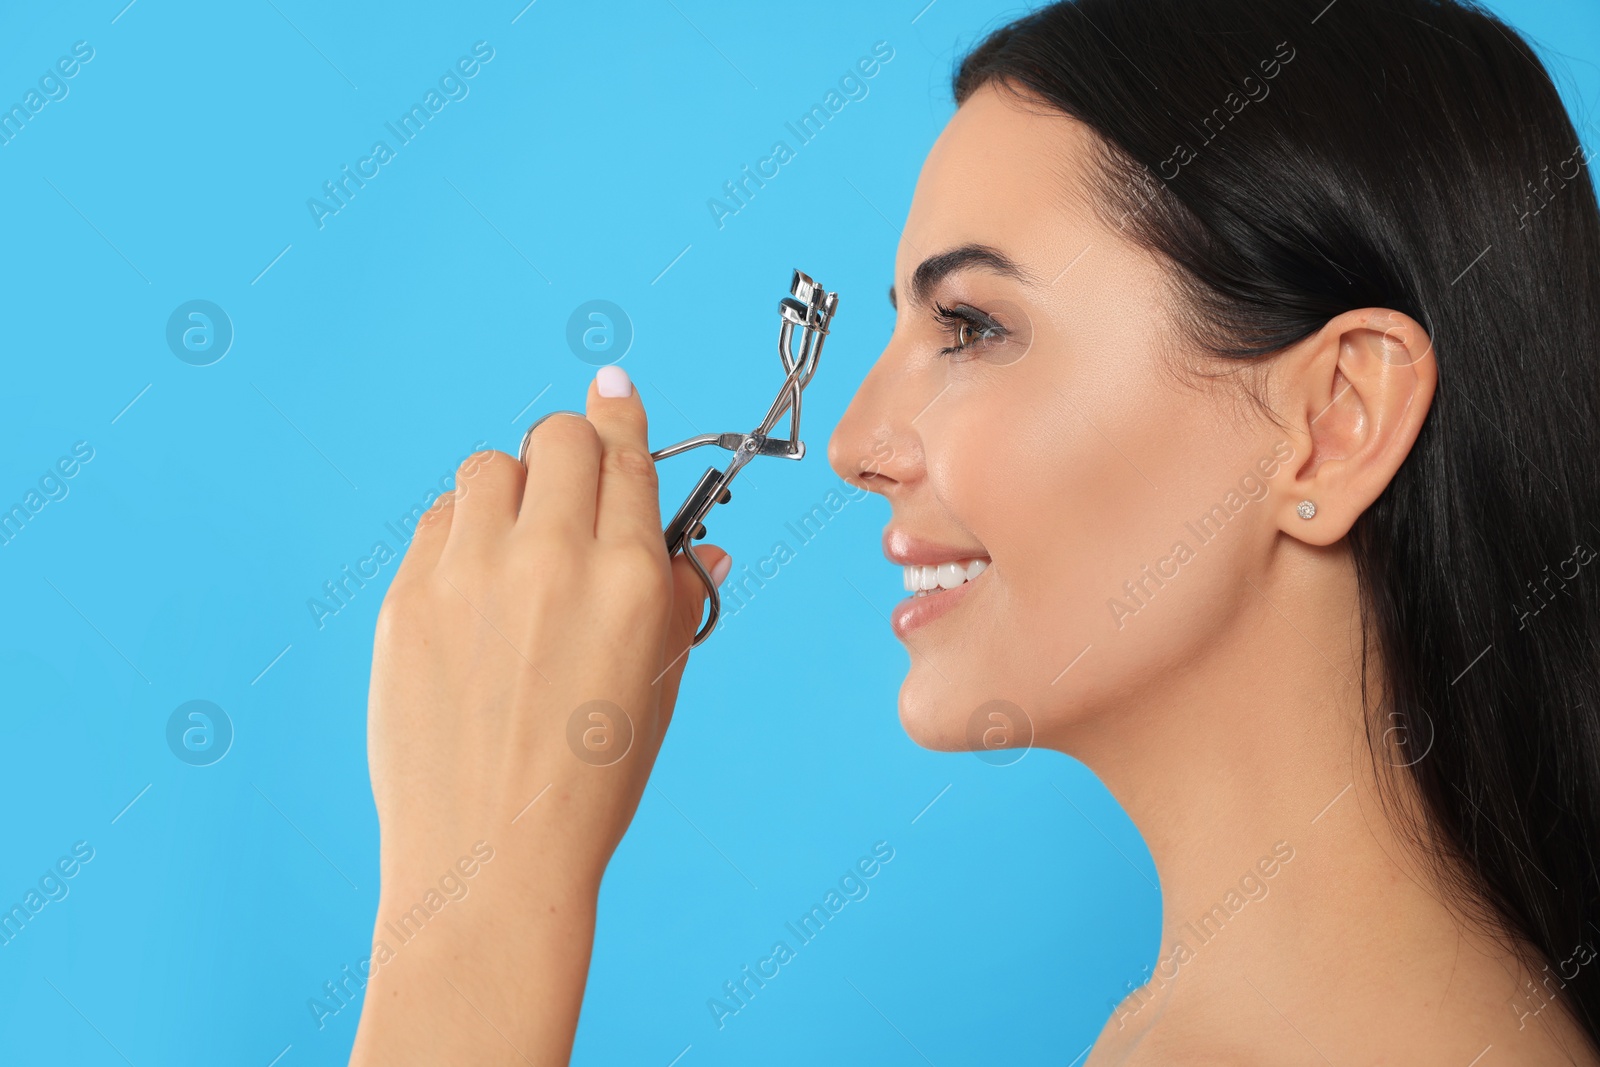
(1021, 467)
(1079, 497)
(1063, 488)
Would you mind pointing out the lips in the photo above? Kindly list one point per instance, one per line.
(956, 568)
(907, 549)
(917, 611)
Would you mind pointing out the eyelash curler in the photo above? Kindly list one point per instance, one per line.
(810, 309)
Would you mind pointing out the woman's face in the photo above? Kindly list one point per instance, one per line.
(1040, 422)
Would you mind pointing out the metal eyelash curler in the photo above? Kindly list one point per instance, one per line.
(809, 308)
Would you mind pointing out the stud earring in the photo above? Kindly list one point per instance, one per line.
(1305, 509)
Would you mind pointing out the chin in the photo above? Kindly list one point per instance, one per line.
(932, 723)
(944, 716)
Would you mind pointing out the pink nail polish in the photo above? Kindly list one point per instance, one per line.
(721, 569)
(611, 380)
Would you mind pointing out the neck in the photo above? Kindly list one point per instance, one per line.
(1254, 790)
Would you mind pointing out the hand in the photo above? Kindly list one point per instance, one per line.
(527, 659)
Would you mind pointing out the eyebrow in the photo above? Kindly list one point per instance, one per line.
(931, 271)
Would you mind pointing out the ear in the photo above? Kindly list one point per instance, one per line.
(1355, 396)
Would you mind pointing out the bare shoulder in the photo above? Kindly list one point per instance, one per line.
(1272, 1048)
(1476, 1021)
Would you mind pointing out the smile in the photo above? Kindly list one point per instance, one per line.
(947, 584)
(922, 580)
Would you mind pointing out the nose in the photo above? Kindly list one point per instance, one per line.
(876, 446)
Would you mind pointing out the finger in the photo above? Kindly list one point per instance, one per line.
(428, 539)
(558, 498)
(628, 508)
(488, 486)
(688, 612)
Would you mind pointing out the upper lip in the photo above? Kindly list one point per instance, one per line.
(907, 549)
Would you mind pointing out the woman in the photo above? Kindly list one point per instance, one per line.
(1241, 407)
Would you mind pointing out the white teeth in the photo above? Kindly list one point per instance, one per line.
(924, 579)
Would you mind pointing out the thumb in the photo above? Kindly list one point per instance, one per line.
(689, 598)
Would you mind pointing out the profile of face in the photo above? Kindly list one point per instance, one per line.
(1034, 409)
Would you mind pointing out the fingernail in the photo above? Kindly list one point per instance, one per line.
(720, 571)
(612, 380)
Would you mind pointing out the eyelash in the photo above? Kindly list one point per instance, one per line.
(953, 319)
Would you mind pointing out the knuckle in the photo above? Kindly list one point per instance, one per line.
(470, 466)
(394, 609)
(630, 461)
(640, 569)
(438, 513)
(487, 462)
(488, 467)
(405, 576)
(396, 602)
(489, 474)
(403, 605)
(570, 431)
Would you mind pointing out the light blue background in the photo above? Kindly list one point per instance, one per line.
(423, 318)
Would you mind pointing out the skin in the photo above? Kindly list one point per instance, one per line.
(479, 668)
(1068, 446)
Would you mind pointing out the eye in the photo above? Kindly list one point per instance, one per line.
(968, 329)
